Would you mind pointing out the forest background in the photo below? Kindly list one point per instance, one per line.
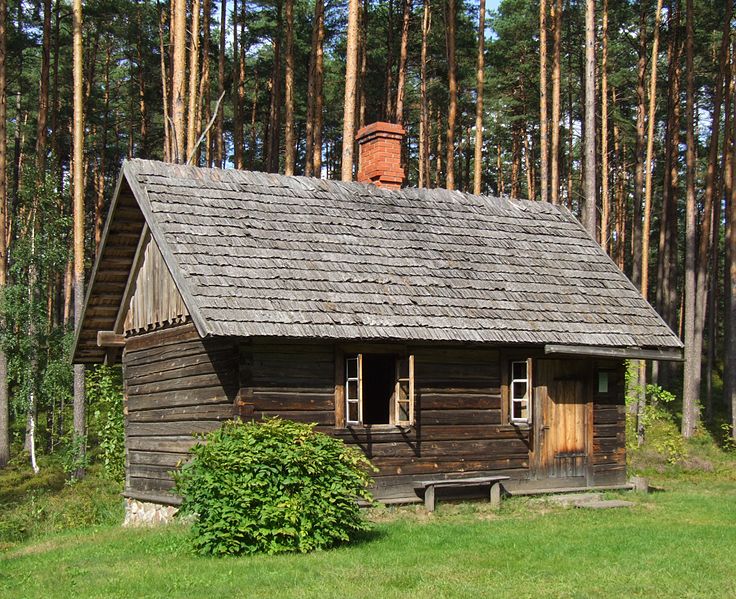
(624, 111)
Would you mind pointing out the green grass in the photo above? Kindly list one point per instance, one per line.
(678, 541)
(674, 543)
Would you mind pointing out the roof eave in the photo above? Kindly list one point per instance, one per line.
(624, 353)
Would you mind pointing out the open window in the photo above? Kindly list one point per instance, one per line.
(520, 405)
(379, 389)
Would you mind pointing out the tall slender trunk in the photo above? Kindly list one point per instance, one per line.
(388, 105)
(730, 336)
(556, 15)
(424, 127)
(204, 110)
(289, 127)
(100, 174)
(589, 208)
(529, 165)
(639, 150)
(543, 142)
(363, 57)
(605, 198)
(351, 74)
(314, 94)
(178, 78)
(219, 125)
(648, 164)
(194, 78)
(403, 55)
(515, 159)
(499, 169)
(238, 83)
(142, 109)
(54, 125)
(438, 161)
(480, 77)
(452, 88)
(78, 191)
(43, 93)
(274, 125)
(165, 89)
(4, 403)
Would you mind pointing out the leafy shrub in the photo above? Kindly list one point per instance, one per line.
(275, 486)
(104, 389)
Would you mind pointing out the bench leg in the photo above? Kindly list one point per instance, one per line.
(429, 498)
(495, 495)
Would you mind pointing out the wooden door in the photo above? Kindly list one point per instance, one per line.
(560, 389)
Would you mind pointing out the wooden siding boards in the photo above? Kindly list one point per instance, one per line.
(176, 385)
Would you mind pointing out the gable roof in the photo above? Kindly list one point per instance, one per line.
(257, 254)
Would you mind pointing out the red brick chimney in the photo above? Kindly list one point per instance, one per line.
(380, 155)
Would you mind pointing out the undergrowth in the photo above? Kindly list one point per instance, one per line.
(37, 505)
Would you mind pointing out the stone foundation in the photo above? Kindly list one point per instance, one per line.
(144, 513)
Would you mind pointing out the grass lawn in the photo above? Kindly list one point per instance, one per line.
(679, 542)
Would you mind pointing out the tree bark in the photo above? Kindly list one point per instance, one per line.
(730, 336)
(556, 15)
(78, 195)
(165, 89)
(100, 174)
(178, 77)
(4, 403)
(204, 110)
(317, 37)
(351, 74)
(639, 150)
(589, 208)
(403, 55)
(452, 88)
(220, 123)
(319, 98)
(238, 83)
(192, 133)
(605, 198)
(543, 142)
(289, 127)
(43, 93)
(480, 77)
(424, 128)
(274, 124)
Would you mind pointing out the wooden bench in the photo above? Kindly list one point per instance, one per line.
(429, 487)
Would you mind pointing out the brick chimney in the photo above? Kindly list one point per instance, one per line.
(380, 155)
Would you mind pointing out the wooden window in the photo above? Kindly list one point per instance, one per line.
(520, 392)
(379, 389)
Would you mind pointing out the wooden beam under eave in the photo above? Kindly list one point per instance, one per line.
(633, 353)
(110, 339)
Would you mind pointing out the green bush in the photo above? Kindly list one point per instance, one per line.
(104, 386)
(275, 486)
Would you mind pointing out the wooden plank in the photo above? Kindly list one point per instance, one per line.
(143, 429)
(173, 444)
(177, 397)
(456, 399)
(460, 417)
(318, 417)
(110, 339)
(157, 458)
(185, 413)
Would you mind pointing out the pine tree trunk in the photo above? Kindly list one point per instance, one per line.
(220, 123)
(253, 125)
(388, 105)
(43, 93)
(639, 151)
(274, 124)
(318, 95)
(543, 142)
(605, 198)
(289, 128)
(730, 316)
(363, 57)
(238, 84)
(438, 161)
(424, 128)
(141, 76)
(556, 15)
(480, 76)
(178, 77)
(4, 403)
(403, 55)
(164, 89)
(311, 90)
(78, 195)
(351, 74)
(589, 207)
(204, 110)
(194, 77)
(100, 174)
(450, 20)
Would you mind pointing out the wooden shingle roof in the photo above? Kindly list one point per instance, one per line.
(259, 254)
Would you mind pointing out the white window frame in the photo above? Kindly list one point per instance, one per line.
(520, 400)
(394, 411)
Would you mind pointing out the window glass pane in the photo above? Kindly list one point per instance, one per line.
(519, 390)
(353, 411)
(603, 382)
(403, 390)
(520, 410)
(352, 389)
(404, 411)
(518, 370)
(404, 367)
(352, 368)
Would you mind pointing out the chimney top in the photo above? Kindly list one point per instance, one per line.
(380, 155)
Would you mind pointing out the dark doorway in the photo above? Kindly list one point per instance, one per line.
(379, 381)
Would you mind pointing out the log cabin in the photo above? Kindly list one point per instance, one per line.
(445, 334)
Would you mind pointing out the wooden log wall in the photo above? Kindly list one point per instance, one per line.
(609, 426)
(176, 385)
(458, 411)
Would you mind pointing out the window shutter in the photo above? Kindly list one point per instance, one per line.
(404, 395)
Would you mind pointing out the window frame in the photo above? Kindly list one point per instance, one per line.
(511, 400)
(343, 380)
